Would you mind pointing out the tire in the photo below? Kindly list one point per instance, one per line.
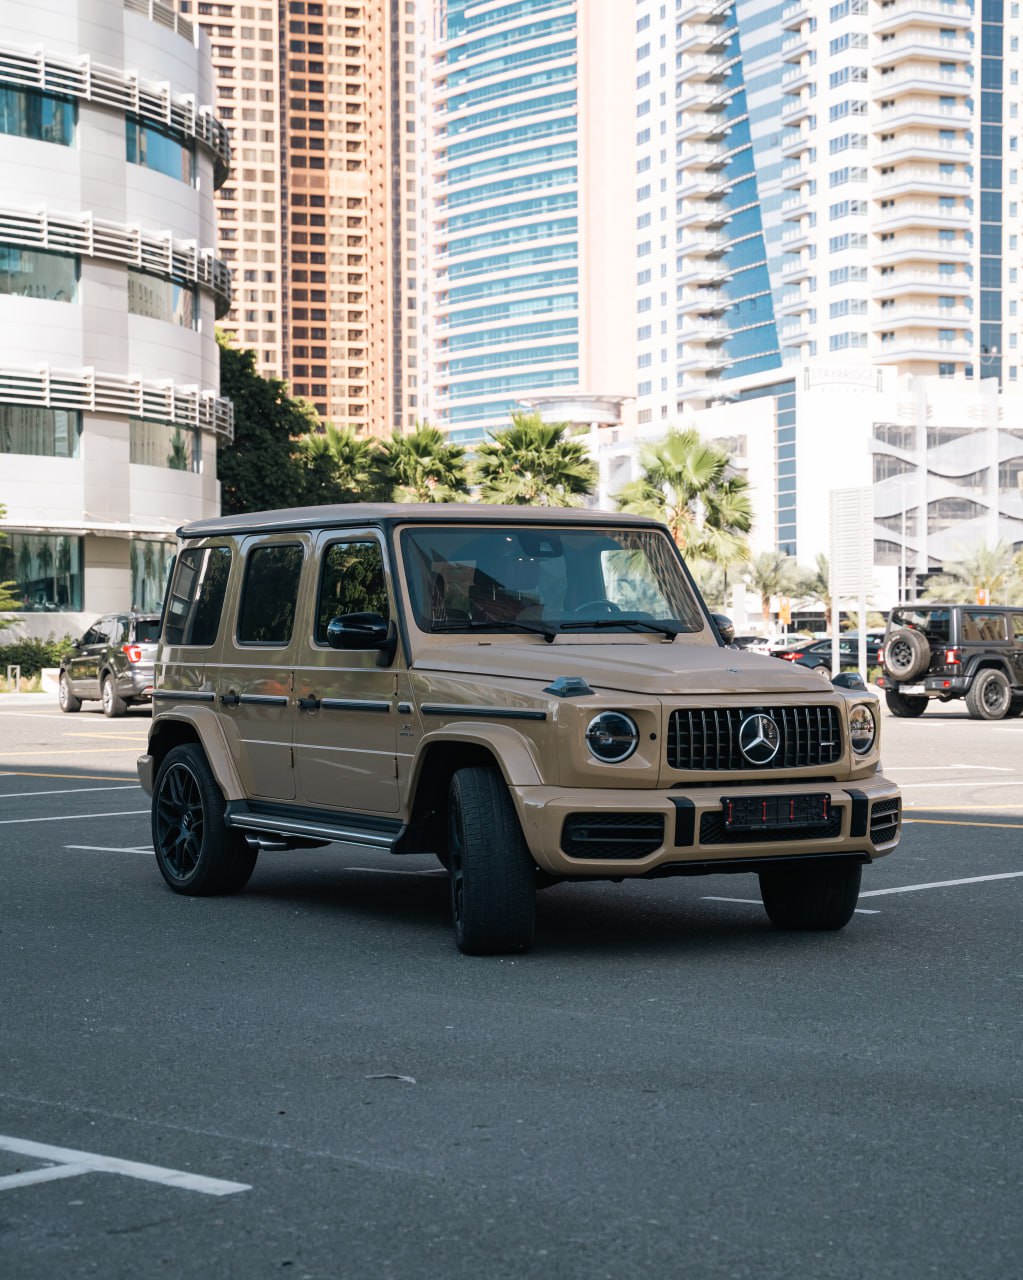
(907, 654)
(819, 895)
(493, 877)
(196, 853)
(989, 696)
(113, 703)
(904, 705)
(65, 697)
(1015, 709)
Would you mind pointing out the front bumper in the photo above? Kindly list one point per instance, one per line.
(638, 833)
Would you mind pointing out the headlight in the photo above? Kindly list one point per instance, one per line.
(612, 736)
(862, 729)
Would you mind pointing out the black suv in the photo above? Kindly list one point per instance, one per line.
(947, 651)
(113, 662)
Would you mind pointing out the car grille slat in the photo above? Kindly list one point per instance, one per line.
(707, 739)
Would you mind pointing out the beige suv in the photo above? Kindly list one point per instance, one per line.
(532, 695)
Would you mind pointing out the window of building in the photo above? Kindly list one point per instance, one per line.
(160, 151)
(46, 570)
(163, 444)
(43, 433)
(38, 273)
(151, 561)
(27, 113)
(162, 299)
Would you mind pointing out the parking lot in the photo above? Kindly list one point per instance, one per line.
(309, 1080)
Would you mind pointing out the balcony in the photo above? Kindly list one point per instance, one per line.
(705, 97)
(794, 15)
(916, 180)
(906, 214)
(795, 208)
(797, 78)
(923, 78)
(708, 156)
(793, 47)
(919, 47)
(711, 11)
(793, 112)
(705, 330)
(796, 269)
(706, 214)
(923, 146)
(922, 249)
(796, 142)
(704, 186)
(703, 302)
(910, 283)
(708, 244)
(921, 348)
(705, 38)
(924, 316)
(926, 112)
(921, 13)
(704, 126)
(703, 69)
(705, 274)
(705, 361)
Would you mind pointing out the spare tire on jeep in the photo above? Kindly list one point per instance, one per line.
(907, 654)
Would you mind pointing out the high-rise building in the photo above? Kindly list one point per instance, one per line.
(319, 223)
(110, 415)
(844, 213)
(531, 210)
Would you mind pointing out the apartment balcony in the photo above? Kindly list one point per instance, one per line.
(797, 238)
(708, 156)
(922, 348)
(705, 37)
(793, 112)
(704, 126)
(795, 208)
(923, 113)
(704, 69)
(703, 302)
(707, 331)
(794, 15)
(923, 77)
(797, 78)
(922, 249)
(921, 13)
(924, 316)
(704, 274)
(794, 175)
(794, 306)
(704, 186)
(915, 46)
(916, 180)
(923, 146)
(793, 47)
(797, 268)
(710, 244)
(926, 283)
(705, 361)
(906, 214)
(795, 142)
(711, 11)
(707, 214)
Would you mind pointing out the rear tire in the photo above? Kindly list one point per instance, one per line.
(989, 696)
(65, 697)
(113, 703)
(1015, 709)
(196, 853)
(904, 705)
(493, 877)
(820, 895)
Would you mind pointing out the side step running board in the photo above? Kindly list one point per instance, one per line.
(342, 828)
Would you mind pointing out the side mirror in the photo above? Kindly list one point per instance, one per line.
(725, 627)
(363, 631)
(848, 680)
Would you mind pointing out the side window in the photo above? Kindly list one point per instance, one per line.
(196, 597)
(1017, 629)
(978, 625)
(270, 594)
(119, 630)
(94, 635)
(351, 581)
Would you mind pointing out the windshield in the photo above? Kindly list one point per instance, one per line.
(517, 579)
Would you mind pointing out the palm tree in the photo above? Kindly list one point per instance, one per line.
(46, 563)
(816, 585)
(7, 599)
(422, 466)
(773, 573)
(64, 567)
(982, 568)
(337, 465)
(689, 485)
(534, 463)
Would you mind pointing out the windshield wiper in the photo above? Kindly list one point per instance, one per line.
(537, 628)
(665, 628)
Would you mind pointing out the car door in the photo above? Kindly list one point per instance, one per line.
(85, 661)
(254, 678)
(346, 721)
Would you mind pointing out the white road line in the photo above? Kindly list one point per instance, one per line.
(72, 817)
(757, 902)
(944, 768)
(386, 871)
(941, 884)
(67, 791)
(88, 1162)
(917, 786)
(49, 1174)
(105, 848)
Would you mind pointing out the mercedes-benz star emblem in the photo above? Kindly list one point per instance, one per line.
(759, 738)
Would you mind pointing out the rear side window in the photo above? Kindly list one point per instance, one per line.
(1017, 628)
(979, 625)
(196, 597)
(933, 623)
(147, 630)
(351, 581)
(270, 594)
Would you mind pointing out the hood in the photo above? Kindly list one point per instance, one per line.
(644, 667)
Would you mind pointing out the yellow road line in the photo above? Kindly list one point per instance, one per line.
(952, 822)
(125, 737)
(91, 777)
(62, 751)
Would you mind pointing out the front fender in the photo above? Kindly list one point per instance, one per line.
(514, 754)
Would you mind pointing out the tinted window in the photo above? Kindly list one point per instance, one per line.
(269, 596)
(1017, 628)
(351, 581)
(118, 630)
(934, 623)
(196, 598)
(95, 635)
(980, 625)
(147, 630)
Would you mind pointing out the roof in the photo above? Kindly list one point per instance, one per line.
(390, 513)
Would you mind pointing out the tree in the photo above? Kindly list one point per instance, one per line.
(257, 471)
(422, 467)
(534, 463)
(336, 465)
(773, 573)
(689, 485)
(7, 598)
(816, 585)
(982, 568)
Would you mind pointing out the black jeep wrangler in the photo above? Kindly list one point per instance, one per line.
(947, 651)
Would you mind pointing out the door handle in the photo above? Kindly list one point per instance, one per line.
(229, 699)
(309, 704)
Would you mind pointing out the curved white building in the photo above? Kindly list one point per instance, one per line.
(109, 293)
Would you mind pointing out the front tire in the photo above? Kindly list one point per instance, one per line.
(196, 853)
(493, 877)
(904, 705)
(65, 697)
(803, 896)
(113, 703)
(989, 696)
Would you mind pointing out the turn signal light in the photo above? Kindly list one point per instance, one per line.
(133, 652)
(953, 657)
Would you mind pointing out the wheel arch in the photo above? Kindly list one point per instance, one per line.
(202, 728)
(991, 662)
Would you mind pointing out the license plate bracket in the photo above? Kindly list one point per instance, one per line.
(776, 813)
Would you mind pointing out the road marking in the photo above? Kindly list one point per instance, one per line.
(757, 902)
(64, 791)
(386, 871)
(62, 751)
(942, 768)
(966, 808)
(951, 822)
(84, 777)
(71, 817)
(941, 884)
(917, 786)
(125, 737)
(103, 848)
(49, 1174)
(88, 1162)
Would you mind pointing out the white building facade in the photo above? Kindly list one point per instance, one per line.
(109, 292)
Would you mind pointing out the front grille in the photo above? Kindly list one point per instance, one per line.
(712, 831)
(612, 835)
(709, 739)
(884, 821)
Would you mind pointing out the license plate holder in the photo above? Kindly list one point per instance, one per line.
(775, 813)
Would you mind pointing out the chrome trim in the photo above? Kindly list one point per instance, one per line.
(353, 704)
(487, 713)
(286, 826)
(183, 695)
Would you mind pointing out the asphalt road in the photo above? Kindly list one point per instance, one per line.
(308, 1079)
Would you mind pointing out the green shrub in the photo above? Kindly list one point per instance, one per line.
(32, 655)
